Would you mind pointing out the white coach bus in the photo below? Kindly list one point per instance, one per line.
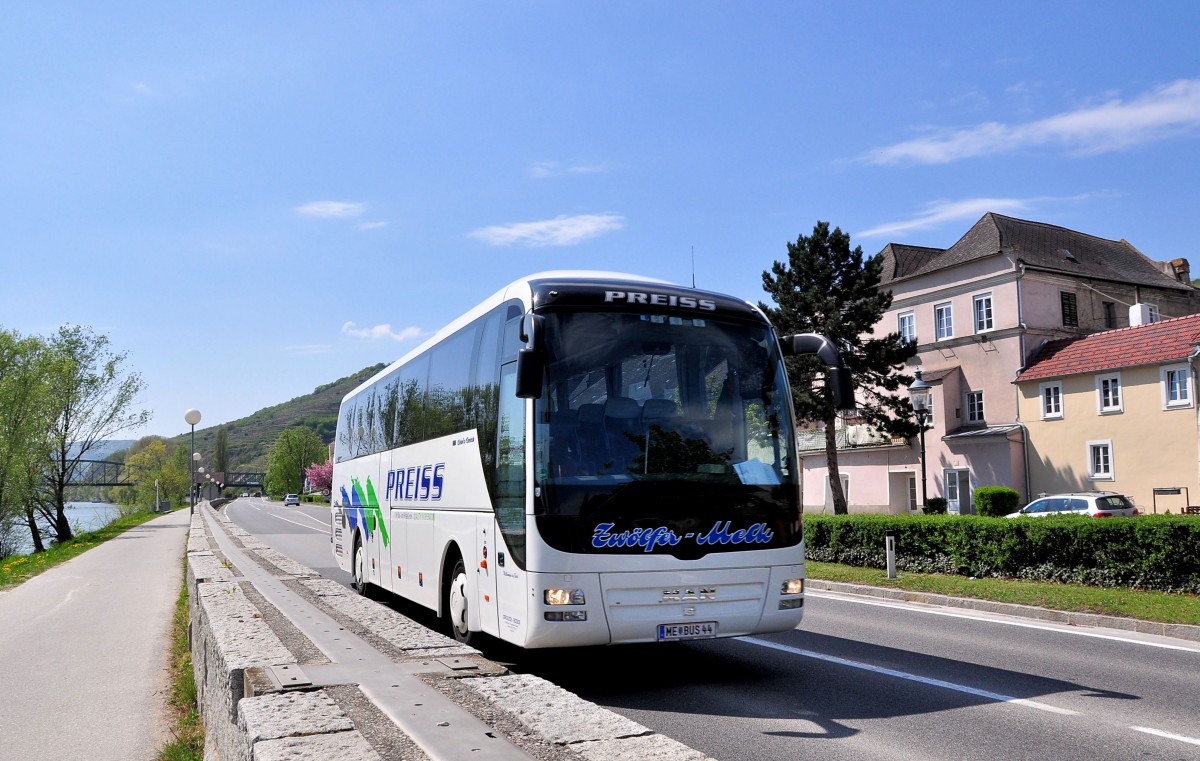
(584, 458)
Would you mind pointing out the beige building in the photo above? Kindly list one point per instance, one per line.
(1116, 411)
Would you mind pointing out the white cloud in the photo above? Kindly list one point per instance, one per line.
(544, 170)
(371, 225)
(560, 231)
(379, 332)
(143, 89)
(941, 212)
(331, 209)
(1111, 126)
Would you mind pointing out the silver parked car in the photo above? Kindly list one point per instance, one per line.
(1095, 504)
(291, 499)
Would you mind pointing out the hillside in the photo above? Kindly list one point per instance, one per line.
(250, 437)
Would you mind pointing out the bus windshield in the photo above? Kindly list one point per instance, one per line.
(663, 433)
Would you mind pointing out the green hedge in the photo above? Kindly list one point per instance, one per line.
(1159, 552)
(996, 501)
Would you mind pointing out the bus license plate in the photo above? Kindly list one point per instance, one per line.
(698, 630)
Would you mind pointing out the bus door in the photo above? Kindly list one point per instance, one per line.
(395, 557)
(508, 536)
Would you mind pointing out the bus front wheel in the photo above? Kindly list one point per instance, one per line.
(456, 603)
(359, 569)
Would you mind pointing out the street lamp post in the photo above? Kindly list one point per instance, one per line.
(196, 469)
(918, 392)
(191, 417)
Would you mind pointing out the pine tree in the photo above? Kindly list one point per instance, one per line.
(826, 287)
(221, 450)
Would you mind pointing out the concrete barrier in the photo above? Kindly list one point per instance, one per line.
(239, 653)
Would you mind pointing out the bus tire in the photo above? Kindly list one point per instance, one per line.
(358, 568)
(457, 603)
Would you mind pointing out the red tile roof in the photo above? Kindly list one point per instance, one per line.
(1166, 341)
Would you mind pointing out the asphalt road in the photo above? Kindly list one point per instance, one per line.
(301, 533)
(867, 679)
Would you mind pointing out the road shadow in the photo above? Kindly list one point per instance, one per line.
(740, 679)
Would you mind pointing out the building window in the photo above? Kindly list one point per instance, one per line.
(845, 479)
(974, 406)
(1110, 315)
(943, 320)
(1108, 393)
(908, 327)
(1177, 387)
(1070, 310)
(1100, 461)
(983, 313)
(912, 493)
(1051, 401)
(1152, 310)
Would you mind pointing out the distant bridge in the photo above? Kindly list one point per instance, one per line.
(113, 473)
(245, 478)
(103, 473)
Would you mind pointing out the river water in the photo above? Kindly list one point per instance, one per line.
(83, 516)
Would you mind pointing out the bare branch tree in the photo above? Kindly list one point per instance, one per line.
(94, 399)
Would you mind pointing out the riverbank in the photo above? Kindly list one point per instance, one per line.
(83, 516)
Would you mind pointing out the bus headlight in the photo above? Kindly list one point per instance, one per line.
(793, 587)
(563, 596)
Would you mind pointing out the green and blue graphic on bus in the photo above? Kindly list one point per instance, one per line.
(363, 509)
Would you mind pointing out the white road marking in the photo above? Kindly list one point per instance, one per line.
(995, 696)
(1167, 735)
(991, 618)
(320, 527)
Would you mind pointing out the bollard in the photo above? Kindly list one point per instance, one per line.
(890, 544)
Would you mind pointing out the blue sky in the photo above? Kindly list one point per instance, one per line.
(252, 199)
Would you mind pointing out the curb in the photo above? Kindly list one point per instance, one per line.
(239, 652)
(1178, 631)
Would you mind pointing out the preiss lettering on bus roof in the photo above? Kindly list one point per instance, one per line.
(420, 483)
(660, 299)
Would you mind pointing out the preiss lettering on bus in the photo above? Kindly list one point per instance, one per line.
(420, 483)
(660, 299)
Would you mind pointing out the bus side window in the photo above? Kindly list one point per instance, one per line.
(510, 466)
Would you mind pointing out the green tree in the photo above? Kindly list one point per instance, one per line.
(147, 465)
(93, 398)
(177, 476)
(827, 287)
(25, 417)
(221, 450)
(294, 450)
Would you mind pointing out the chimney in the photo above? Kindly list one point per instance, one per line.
(1182, 270)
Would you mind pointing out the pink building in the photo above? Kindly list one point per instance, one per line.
(978, 311)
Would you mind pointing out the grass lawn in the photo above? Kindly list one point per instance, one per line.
(188, 732)
(1130, 603)
(18, 568)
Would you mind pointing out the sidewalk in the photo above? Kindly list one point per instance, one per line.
(84, 650)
